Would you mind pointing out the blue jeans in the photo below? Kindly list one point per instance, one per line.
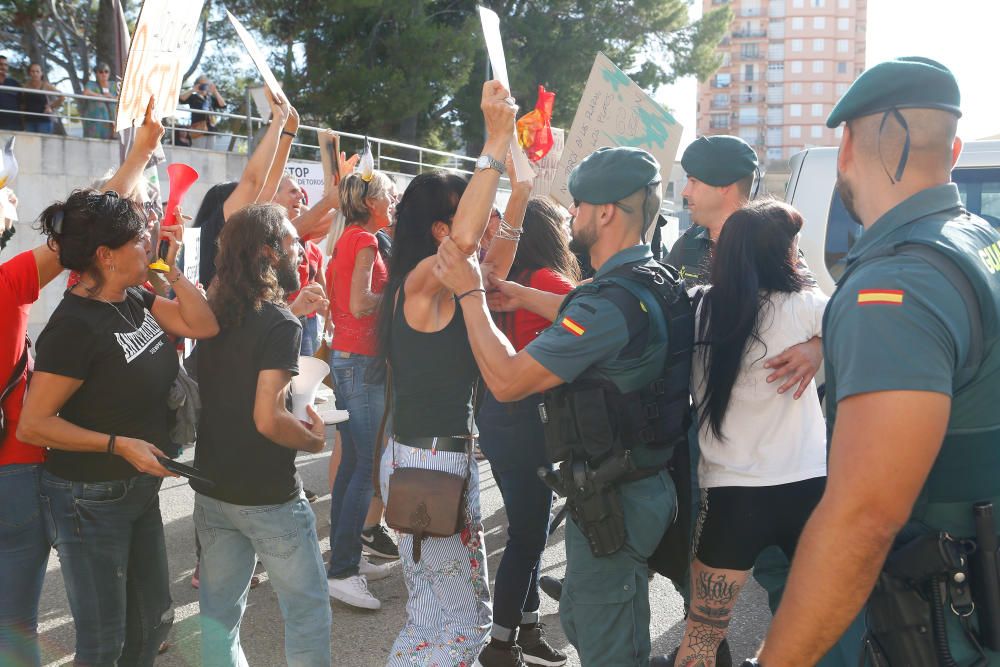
(310, 336)
(24, 552)
(40, 125)
(284, 537)
(109, 536)
(353, 488)
(511, 436)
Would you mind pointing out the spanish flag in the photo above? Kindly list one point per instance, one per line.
(885, 297)
(572, 327)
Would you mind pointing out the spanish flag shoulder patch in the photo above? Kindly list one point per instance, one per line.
(885, 297)
(572, 327)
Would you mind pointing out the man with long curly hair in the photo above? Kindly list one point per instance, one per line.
(247, 442)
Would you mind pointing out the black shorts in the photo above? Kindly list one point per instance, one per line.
(736, 523)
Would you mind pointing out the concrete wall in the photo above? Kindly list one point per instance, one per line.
(50, 167)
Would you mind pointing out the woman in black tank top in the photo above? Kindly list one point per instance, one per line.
(421, 334)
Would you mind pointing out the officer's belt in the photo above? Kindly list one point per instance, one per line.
(640, 473)
(459, 444)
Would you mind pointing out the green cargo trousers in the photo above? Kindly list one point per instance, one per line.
(605, 602)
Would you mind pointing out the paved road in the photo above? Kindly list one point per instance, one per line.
(360, 638)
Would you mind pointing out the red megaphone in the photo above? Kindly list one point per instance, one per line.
(182, 177)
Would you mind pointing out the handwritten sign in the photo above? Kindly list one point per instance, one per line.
(494, 47)
(163, 36)
(548, 166)
(329, 154)
(615, 111)
(258, 58)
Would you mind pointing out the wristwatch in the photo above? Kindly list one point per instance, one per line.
(487, 162)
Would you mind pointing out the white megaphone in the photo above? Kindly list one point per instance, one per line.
(304, 385)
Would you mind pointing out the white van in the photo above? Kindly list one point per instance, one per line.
(829, 232)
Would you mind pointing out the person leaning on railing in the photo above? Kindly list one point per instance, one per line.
(36, 104)
(97, 115)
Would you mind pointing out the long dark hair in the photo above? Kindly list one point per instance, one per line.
(246, 275)
(544, 243)
(87, 220)
(429, 198)
(752, 260)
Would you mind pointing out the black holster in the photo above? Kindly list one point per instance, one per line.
(594, 500)
(920, 585)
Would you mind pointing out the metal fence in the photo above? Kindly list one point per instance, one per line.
(390, 156)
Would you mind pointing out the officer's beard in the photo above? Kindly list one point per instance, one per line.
(582, 240)
(847, 197)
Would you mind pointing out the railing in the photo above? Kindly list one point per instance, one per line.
(390, 156)
(748, 55)
(720, 104)
(718, 124)
(749, 98)
(743, 34)
(716, 83)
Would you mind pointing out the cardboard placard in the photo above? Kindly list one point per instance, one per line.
(258, 58)
(615, 111)
(310, 176)
(548, 166)
(260, 101)
(494, 47)
(163, 35)
(329, 154)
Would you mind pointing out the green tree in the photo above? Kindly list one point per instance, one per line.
(554, 44)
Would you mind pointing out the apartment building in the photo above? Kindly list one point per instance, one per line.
(785, 64)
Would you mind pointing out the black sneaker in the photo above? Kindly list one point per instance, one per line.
(551, 586)
(310, 495)
(493, 655)
(723, 658)
(375, 541)
(535, 650)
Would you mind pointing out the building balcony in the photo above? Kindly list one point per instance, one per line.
(721, 84)
(751, 11)
(749, 98)
(759, 55)
(720, 104)
(749, 34)
(750, 78)
(718, 124)
(775, 77)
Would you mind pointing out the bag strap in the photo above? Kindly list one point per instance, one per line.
(15, 377)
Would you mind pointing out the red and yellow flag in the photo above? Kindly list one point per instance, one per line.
(572, 327)
(534, 129)
(885, 297)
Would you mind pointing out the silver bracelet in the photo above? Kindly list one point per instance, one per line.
(508, 232)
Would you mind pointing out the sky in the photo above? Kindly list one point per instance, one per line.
(961, 34)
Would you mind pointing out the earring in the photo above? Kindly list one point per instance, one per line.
(112, 267)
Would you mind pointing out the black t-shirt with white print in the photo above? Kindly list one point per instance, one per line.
(127, 365)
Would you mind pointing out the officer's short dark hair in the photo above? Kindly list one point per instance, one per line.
(745, 186)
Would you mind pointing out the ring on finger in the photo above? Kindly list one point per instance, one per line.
(509, 100)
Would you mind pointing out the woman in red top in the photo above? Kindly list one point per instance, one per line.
(356, 277)
(24, 547)
(511, 436)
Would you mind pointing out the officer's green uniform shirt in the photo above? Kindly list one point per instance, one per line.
(691, 255)
(873, 343)
(590, 332)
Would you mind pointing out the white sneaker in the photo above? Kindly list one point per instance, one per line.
(372, 571)
(353, 591)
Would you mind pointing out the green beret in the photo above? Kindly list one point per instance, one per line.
(719, 160)
(610, 174)
(904, 83)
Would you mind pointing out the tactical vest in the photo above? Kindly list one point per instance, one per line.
(967, 469)
(592, 419)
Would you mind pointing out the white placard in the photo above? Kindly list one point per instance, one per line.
(260, 101)
(7, 210)
(258, 58)
(192, 260)
(310, 177)
(548, 166)
(494, 46)
(164, 34)
(615, 111)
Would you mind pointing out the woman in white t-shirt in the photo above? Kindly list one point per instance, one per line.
(763, 454)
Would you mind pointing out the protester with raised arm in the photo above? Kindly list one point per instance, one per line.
(422, 336)
(98, 402)
(247, 443)
(222, 200)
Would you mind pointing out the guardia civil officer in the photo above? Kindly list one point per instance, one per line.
(913, 372)
(615, 366)
(722, 171)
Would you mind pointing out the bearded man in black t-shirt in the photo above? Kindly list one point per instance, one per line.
(247, 442)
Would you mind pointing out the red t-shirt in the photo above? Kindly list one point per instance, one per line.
(352, 334)
(18, 290)
(523, 326)
(308, 269)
